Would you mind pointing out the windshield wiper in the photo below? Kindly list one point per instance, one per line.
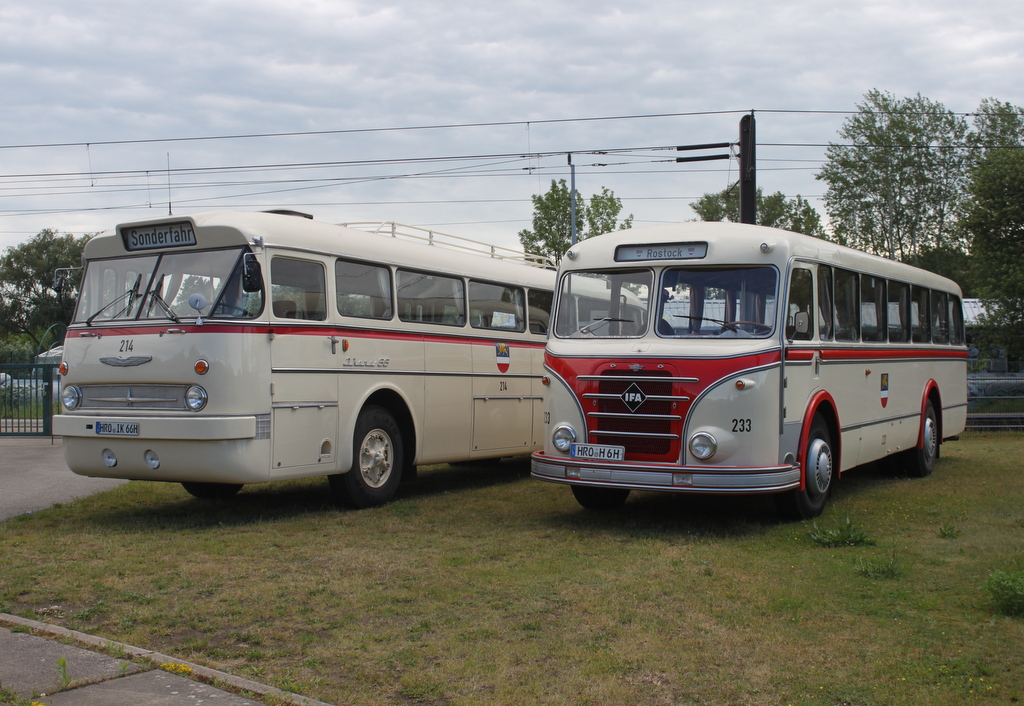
(129, 295)
(589, 328)
(154, 295)
(724, 324)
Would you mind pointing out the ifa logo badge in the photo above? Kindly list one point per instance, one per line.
(885, 389)
(503, 356)
(633, 397)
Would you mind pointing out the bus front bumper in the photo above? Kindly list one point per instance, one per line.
(679, 479)
(179, 449)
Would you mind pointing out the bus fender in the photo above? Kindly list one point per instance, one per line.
(398, 406)
(931, 389)
(821, 402)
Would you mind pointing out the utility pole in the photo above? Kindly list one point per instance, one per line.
(572, 197)
(748, 170)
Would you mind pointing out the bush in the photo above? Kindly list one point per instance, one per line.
(1007, 590)
(843, 535)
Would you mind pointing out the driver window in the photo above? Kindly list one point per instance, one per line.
(801, 304)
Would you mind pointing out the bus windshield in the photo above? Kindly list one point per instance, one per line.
(609, 304)
(161, 287)
(734, 302)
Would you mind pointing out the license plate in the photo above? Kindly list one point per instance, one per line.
(117, 428)
(598, 452)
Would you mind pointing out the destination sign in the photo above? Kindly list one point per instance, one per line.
(164, 235)
(661, 251)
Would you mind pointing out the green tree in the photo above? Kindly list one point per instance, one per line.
(32, 295)
(552, 219)
(898, 187)
(775, 211)
(998, 124)
(995, 219)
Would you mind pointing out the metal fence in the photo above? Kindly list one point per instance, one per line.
(28, 394)
(995, 396)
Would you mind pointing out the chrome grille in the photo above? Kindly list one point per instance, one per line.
(651, 429)
(133, 396)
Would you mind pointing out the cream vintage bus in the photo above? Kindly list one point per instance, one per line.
(727, 358)
(228, 348)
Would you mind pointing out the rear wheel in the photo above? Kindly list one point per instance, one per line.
(920, 462)
(819, 473)
(377, 458)
(600, 498)
(212, 491)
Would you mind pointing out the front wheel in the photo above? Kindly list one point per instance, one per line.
(600, 498)
(819, 472)
(377, 458)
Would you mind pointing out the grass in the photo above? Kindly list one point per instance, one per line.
(482, 586)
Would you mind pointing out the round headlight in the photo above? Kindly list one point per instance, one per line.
(195, 398)
(563, 437)
(703, 446)
(70, 397)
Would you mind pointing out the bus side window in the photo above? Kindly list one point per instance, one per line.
(298, 289)
(847, 306)
(956, 321)
(363, 290)
(430, 298)
(824, 302)
(872, 308)
(539, 305)
(899, 312)
(801, 304)
(940, 317)
(919, 322)
(496, 306)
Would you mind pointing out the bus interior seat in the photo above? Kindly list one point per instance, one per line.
(284, 309)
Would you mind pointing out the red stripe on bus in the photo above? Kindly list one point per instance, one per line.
(307, 331)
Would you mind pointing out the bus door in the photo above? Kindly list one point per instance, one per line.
(503, 405)
(304, 359)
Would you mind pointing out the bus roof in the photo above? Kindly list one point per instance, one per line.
(741, 244)
(382, 243)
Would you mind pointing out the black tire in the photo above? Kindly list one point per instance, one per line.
(600, 498)
(377, 461)
(212, 491)
(819, 468)
(921, 462)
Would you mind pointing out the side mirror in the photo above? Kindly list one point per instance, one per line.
(252, 273)
(802, 321)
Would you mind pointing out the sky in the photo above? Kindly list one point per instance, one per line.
(450, 115)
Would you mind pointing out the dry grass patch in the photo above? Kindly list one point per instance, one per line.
(481, 586)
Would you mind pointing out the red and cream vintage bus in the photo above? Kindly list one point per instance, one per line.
(736, 359)
(222, 349)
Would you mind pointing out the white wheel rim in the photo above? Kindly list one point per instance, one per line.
(930, 437)
(375, 458)
(819, 472)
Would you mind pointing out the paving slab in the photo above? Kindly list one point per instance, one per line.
(30, 665)
(153, 688)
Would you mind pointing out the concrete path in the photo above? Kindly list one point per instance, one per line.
(34, 476)
(50, 665)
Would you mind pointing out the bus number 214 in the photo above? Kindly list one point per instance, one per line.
(741, 425)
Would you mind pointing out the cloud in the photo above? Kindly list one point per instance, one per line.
(108, 70)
